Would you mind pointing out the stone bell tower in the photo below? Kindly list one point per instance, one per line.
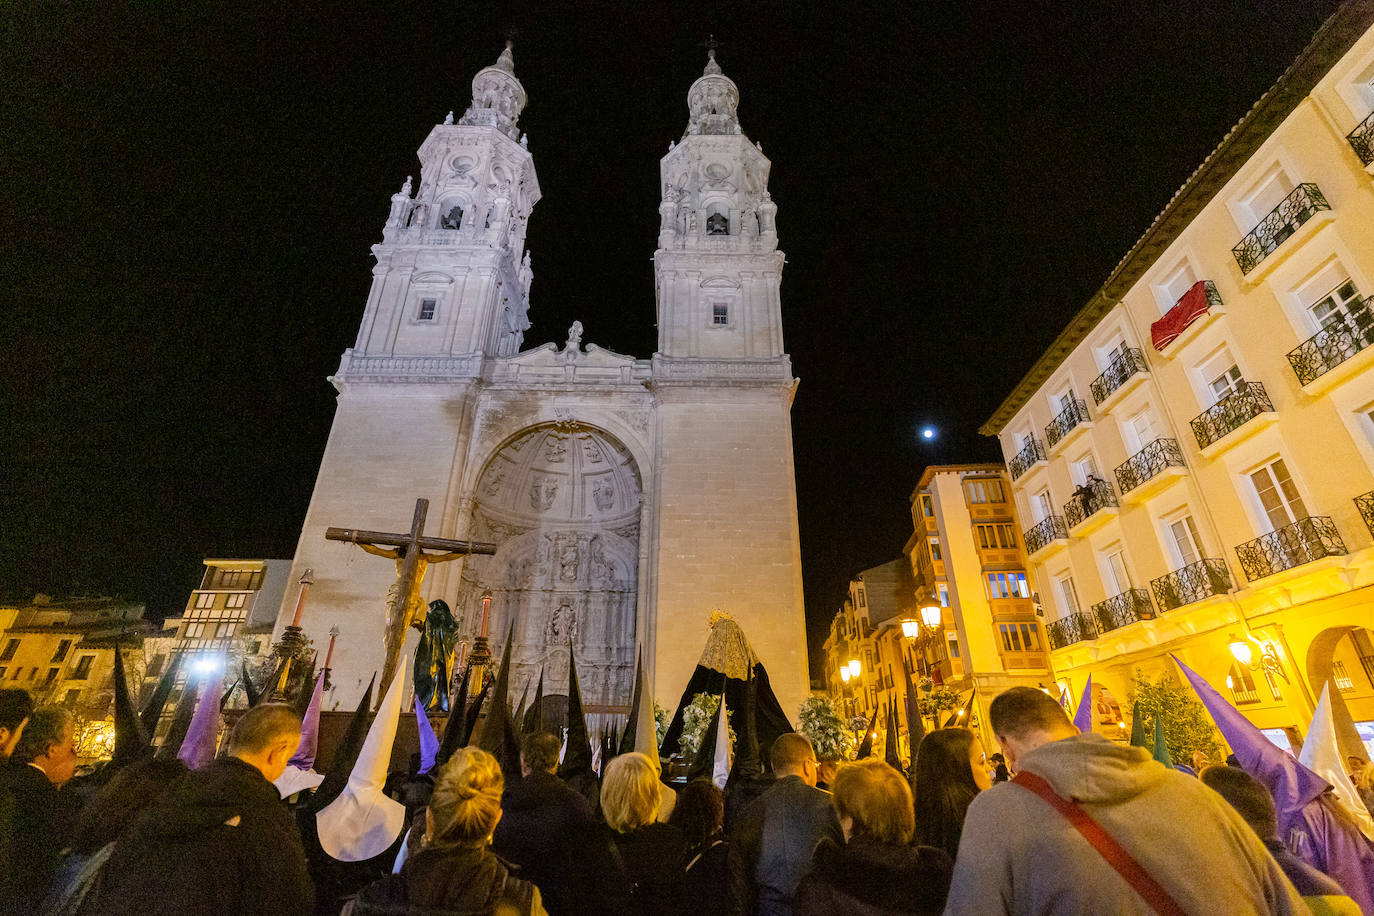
(727, 535)
(452, 276)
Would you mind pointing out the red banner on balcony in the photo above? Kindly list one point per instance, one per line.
(1191, 307)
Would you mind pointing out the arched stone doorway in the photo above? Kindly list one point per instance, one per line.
(562, 503)
(1344, 656)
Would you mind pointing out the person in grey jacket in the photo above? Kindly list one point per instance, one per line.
(1018, 855)
(775, 837)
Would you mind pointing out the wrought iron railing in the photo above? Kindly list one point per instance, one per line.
(1149, 462)
(1365, 503)
(1070, 629)
(1335, 343)
(1048, 530)
(1285, 219)
(1125, 608)
(1248, 401)
(1362, 140)
(1305, 540)
(1124, 364)
(1087, 500)
(1076, 412)
(1021, 462)
(1191, 583)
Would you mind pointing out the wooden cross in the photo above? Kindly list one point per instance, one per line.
(409, 552)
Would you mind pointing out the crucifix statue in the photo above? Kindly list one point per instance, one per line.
(409, 550)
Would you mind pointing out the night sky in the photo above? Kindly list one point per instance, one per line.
(191, 191)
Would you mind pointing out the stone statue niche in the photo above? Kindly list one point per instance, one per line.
(562, 505)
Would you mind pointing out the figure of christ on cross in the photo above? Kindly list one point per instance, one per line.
(409, 551)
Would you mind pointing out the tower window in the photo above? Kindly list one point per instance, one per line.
(427, 307)
(720, 314)
(717, 224)
(453, 219)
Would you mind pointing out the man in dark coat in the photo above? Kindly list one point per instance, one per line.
(546, 829)
(775, 838)
(39, 818)
(221, 841)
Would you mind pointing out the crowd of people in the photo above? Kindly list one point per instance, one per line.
(1058, 822)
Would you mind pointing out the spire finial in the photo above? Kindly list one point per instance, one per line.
(712, 68)
(506, 61)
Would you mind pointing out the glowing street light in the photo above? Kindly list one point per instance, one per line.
(844, 674)
(854, 668)
(932, 616)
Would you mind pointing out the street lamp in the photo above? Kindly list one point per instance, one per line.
(844, 674)
(932, 615)
(854, 668)
(1243, 651)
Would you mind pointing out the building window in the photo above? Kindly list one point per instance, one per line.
(1007, 585)
(10, 648)
(1342, 677)
(1241, 685)
(1222, 375)
(984, 490)
(234, 601)
(942, 592)
(927, 507)
(1278, 495)
(1068, 595)
(71, 699)
(720, 314)
(953, 645)
(83, 668)
(52, 676)
(1331, 300)
(1117, 576)
(3, 669)
(1187, 543)
(717, 224)
(1044, 506)
(205, 599)
(859, 593)
(427, 307)
(33, 674)
(224, 630)
(194, 630)
(996, 537)
(453, 219)
(935, 554)
(62, 648)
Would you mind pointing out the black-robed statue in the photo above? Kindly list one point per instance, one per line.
(434, 657)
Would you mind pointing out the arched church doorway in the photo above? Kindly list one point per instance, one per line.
(562, 504)
(1344, 656)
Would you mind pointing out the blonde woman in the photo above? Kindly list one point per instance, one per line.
(652, 853)
(454, 871)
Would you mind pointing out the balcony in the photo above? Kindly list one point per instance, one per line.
(1030, 456)
(1070, 629)
(1123, 609)
(1157, 464)
(1194, 582)
(1093, 503)
(1051, 531)
(1248, 401)
(1126, 365)
(1362, 140)
(1304, 541)
(1071, 419)
(1285, 219)
(1188, 316)
(1347, 335)
(1365, 503)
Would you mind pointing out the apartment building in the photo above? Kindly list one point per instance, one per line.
(864, 646)
(967, 558)
(61, 650)
(1194, 454)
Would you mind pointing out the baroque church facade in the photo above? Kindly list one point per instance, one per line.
(627, 497)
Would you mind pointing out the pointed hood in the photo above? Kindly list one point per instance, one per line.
(627, 740)
(747, 764)
(181, 721)
(1083, 716)
(1137, 727)
(346, 753)
(267, 689)
(1161, 748)
(890, 754)
(1322, 755)
(915, 725)
(310, 728)
(720, 772)
(456, 726)
(534, 716)
(519, 720)
(202, 738)
(152, 710)
(497, 736)
(130, 740)
(578, 756)
(705, 761)
(961, 717)
(1292, 784)
(249, 690)
(866, 746)
(362, 822)
(429, 743)
(302, 700)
